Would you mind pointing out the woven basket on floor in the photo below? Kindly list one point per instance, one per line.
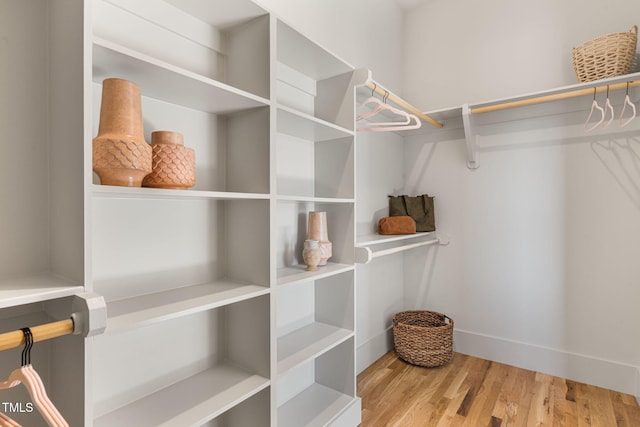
(423, 338)
(606, 56)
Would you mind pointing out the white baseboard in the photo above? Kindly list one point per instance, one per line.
(577, 367)
(373, 349)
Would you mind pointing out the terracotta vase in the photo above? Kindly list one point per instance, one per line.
(311, 254)
(317, 230)
(121, 156)
(173, 164)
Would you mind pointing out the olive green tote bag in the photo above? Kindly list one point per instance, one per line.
(420, 208)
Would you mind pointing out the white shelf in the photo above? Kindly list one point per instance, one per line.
(298, 273)
(465, 121)
(301, 125)
(37, 288)
(579, 106)
(465, 118)
(219, 13)
(161, 306)
(191, 402)
(377, 239)
(539, 106)
(308, 342)
(311, 199)
(315, 406)
(159, 193)
(165, 82)
(305, 56)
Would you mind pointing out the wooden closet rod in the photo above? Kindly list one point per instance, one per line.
(402, 103)
(553, 97)
(40, 333)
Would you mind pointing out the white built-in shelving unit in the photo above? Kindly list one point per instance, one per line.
(314, 171)
(212, 318)
(186, 273)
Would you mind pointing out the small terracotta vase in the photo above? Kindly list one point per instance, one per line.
(121, 156)
(173, 164)
(317, 230)
(311, 254)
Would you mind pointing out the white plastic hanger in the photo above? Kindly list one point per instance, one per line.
(393, 126)
(365, 124)
(594, 107)
(403, 115)
(627, 101)
(380, 106)
(34, 385)
(406, 119)
(608, 108)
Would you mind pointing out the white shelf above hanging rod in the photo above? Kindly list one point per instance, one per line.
(567, 93)
(563, 94)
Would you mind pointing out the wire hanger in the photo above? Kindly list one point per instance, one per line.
(28, 376)
(627, 101)
(594, 107)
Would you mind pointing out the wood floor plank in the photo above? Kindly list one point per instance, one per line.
(487, 396)
(602, 412)
(478, 393)
(526, 382)
(476, 376)
(450, 416)
(564, 411)
(540, 413)
(503, 409)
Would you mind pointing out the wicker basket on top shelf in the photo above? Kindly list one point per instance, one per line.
(606, 56)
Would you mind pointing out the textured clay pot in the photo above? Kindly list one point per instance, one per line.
(121, 156)
(173, 164)
(317, 230)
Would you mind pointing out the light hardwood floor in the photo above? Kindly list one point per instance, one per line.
(473, 392)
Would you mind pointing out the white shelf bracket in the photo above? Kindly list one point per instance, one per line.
(89, 314)
(470, 136)
(363, 255)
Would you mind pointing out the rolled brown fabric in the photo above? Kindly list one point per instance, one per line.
(397, 225)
